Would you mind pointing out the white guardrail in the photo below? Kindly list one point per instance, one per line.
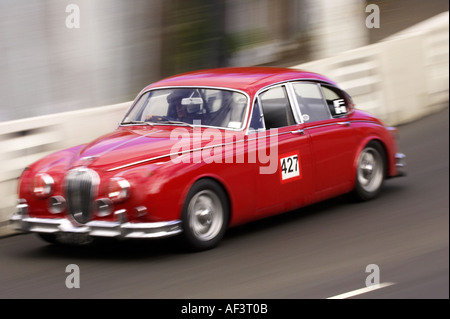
(399, 80)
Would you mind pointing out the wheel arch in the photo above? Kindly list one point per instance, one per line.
(362, 145)
(221, 183)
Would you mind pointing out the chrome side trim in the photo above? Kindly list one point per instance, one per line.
(341, 123)
(367, 121)
(192, 150)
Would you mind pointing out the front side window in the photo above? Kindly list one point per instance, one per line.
(186, 106)
(276, 108)
(311, 102)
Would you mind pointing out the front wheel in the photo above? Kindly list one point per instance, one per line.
(370, 172)
(205, 215)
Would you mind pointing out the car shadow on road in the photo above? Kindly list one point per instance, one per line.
(110, 249)
(343, 204)
(136, 249)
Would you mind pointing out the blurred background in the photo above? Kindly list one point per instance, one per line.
(69, 69)
(121, 46)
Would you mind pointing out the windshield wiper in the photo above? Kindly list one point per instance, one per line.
(136, 123)
(174, 122)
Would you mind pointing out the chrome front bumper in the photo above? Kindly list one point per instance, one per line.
(21, 221)
(400, 164)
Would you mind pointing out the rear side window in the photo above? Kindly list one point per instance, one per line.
(276, 108)
(311, 103)
(338, 102)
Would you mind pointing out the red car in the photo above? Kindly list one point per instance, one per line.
(207, 150)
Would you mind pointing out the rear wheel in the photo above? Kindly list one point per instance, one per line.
(205, 215)
(370, 171)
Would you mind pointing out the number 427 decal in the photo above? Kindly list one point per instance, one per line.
(290, 167)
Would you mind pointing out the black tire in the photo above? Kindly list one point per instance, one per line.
(370, 172)
(205, 215)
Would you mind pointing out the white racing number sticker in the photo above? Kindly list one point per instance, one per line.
(290, 167)
(339, 106)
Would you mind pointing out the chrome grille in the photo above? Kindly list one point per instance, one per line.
(81, 188)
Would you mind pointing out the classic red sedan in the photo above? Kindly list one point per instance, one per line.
(203, 151)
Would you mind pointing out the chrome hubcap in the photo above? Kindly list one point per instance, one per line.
(370, 170)
(205, 214)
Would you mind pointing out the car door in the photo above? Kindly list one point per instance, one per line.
(323, 111)
(280, 138)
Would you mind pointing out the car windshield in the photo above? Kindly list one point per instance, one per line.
(189, 106)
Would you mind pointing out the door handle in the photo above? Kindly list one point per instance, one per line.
(300, 131)
(344, 123)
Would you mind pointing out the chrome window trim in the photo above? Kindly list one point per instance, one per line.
(258, 97)
(324, 102)
(244, 122)
(247, 131)
(285, 82)
(294, 103)
(263, 129)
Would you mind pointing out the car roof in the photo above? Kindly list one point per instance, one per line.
(247, 79)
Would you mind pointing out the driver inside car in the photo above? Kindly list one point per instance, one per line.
(177, 111)
(181, 111)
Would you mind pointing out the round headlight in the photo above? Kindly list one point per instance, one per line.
(119, 189)
(43, 185)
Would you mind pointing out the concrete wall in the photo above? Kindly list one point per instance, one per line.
(24, 141)
(399, 80)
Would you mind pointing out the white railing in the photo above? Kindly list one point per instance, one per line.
(25, 141)
(399, 80)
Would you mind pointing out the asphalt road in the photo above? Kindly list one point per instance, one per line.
(314, 253)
